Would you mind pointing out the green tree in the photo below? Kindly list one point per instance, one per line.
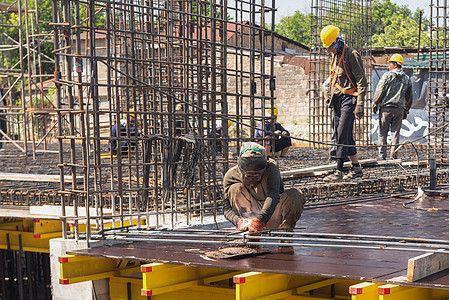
(296, 27)
(402, 32)
(424, 21)
(383, 12)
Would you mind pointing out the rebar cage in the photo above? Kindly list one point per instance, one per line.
(438, 103)
(354, 20)
(27, 114)
(169, 75)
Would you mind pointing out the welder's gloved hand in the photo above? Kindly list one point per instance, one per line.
(243, 223)
(256, 225)
(404, 117)
(358, 111)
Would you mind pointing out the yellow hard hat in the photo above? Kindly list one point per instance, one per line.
(397, 58)
(328, 35)
(178, 107)
(229, 123)
(268, 111)
(132, 115)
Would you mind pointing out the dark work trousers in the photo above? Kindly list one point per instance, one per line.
(287, 211)
(2, 127)
(282, 143)
(343, 123)
(389, 116)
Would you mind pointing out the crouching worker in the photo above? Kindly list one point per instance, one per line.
(255, 199)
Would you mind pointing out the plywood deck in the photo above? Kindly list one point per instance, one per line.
(382, 217)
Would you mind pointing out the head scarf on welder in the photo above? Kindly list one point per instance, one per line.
(252, 157)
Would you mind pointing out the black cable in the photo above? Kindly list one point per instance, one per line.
(254, 127)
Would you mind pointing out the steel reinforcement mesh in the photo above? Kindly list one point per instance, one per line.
(438, 103)
(27, 112)
(170, 74)
(354, 20)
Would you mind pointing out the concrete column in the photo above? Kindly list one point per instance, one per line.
(92, 290)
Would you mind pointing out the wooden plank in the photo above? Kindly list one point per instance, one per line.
(311, 170)
(427, 264)
(34, 177)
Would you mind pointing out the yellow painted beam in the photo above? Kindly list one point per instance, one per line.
(220, 277)
(161, 279)
(299, 297)
(108, 225)
(16, 225)
(30, 241)
(256, 285)
(199, 293)
(118, 288)
(82, 268)
(46, 226)
(396, 292)
(364, 291)
(316, 285)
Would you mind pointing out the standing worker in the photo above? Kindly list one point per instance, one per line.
(393, 98)
(347, 86)
(2, 115)
(255, 199)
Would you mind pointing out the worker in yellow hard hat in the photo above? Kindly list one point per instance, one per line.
(282, 141)
(393, 98)
(347, 89)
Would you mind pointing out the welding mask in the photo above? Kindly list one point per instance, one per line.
(252, 169)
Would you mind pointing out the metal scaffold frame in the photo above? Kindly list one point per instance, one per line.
(172, 74)
(28, 113)
(354, 20)
(438, 103)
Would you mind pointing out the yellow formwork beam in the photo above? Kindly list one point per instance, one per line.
(46, 226)
(397, 292)
(161, 279)
(393, 291)
(364, 291)
(107, 225)
(15, 225)
(36, 226)
(121, 287)
(267, 286)
(82, 268)
(10, 239)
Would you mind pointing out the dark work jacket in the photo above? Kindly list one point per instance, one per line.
(268, 191)
(277, 126)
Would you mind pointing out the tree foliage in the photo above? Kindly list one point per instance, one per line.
(383, 13)
(393, 25)
(402, 32)
(296, 27)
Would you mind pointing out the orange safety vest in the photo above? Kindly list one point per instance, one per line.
(333, 81)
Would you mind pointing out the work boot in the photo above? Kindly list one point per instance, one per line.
(354, 173)
(336, 176)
